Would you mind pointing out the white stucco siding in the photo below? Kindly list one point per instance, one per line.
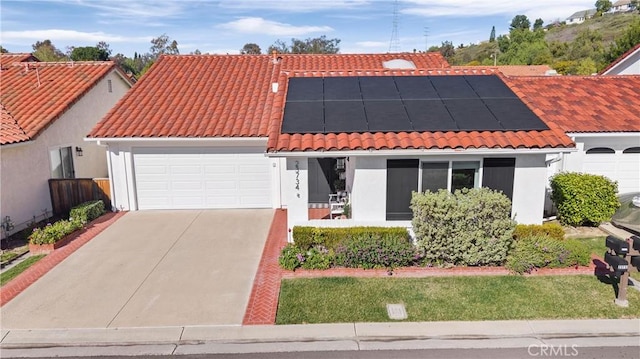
(621, 167)
(26, 168)
(629, 66)
(529, 186)
(369, 192)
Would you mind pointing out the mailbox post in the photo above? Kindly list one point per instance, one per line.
(620, 254)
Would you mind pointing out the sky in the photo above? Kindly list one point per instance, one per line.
(225, 26)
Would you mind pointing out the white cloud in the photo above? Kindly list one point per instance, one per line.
(372, 44)
(292, 5)
(135, 10)
(546, 9)
(258, 25)
(72, 36)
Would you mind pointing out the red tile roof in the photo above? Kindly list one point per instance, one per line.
(221, 95)
(620, 59)
(7, 59)
(583, 104)
(554, 137)
(231, 96)
(35, 94)
(513, 70)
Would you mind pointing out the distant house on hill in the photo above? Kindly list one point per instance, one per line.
(580, 16)
(621, 6)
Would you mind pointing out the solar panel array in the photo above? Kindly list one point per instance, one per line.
(405, 103)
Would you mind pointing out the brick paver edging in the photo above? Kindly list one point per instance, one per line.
(263, 301)
(18, 284)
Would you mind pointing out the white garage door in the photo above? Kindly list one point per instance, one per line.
(191, 178)
(621, 167)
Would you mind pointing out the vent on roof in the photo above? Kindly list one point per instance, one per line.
(399, 64)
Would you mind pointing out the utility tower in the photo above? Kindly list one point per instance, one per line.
(394, 43)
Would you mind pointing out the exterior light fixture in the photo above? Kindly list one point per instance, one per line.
(79, 151)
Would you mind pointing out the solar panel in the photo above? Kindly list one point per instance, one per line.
(514, 115)
(305, 89)
(303, 117)
(341, 88)
(405, 103)
(415, 88)
(379, 88)
(489, 87)
(344, 116)
(387, 116)
(472, 115)
(429, 115)
(452, 87)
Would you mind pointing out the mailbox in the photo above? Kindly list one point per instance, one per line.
(617, 245)
(617, 264)
(635, 262)
(636, 242)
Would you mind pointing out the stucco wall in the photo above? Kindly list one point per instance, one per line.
(630, 66)
(25, 168)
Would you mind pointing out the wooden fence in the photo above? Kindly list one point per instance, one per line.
(68, 193)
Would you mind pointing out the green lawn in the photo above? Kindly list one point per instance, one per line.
(19, 268)
(333, 300)
(596, 245)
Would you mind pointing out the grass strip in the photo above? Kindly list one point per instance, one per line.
(13, 272)
(336, 300)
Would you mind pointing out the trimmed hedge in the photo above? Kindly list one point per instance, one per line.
(87, 211)
(468, 227)
(330, 238)
(375, 251)
(553, 230)
(584, 199)
(535, 252)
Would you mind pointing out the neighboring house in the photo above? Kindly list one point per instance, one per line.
(600, 114)
(580, 16)
(627, 64)
(277, 132)
(7, 59)
(621, 6)
(47, 109)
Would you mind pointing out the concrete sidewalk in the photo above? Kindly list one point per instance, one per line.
(314, 337)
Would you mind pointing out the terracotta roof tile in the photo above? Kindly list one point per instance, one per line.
(582, 104)
(11, 131)
(36, 93)
(7, 59)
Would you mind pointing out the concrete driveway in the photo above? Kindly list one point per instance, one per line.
(151, 268)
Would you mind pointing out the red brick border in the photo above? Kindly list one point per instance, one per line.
(18, 284)
(263, 302)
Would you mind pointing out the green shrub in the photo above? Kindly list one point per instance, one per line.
(535, 252)
(87, 211)
(330, 238)
(375, 251)
(468, 227)
(51, 233)
(293, 257)
(552, 229)
(584, 199)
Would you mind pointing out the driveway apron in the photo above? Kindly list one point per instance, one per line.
(151, 268)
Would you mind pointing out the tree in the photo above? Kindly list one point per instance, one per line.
(492, 37)
(3, 50)
(89, 53)
(586, 67)
(603, 6)
(520, 22)
(625, 42)
(447, 50)
(538, 24)
(635, 4)
(588, 44)
(250, 49)
(45, 51)
(318, 45)
(196, 52)
(163, 45)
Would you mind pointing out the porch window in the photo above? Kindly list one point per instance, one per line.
(464, 175)
(61, 162)
(435, 175)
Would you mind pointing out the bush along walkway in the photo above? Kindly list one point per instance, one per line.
(39, 269)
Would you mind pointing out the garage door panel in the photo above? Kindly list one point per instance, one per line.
(186, 178)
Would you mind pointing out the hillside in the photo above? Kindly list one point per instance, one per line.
(610, 26)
